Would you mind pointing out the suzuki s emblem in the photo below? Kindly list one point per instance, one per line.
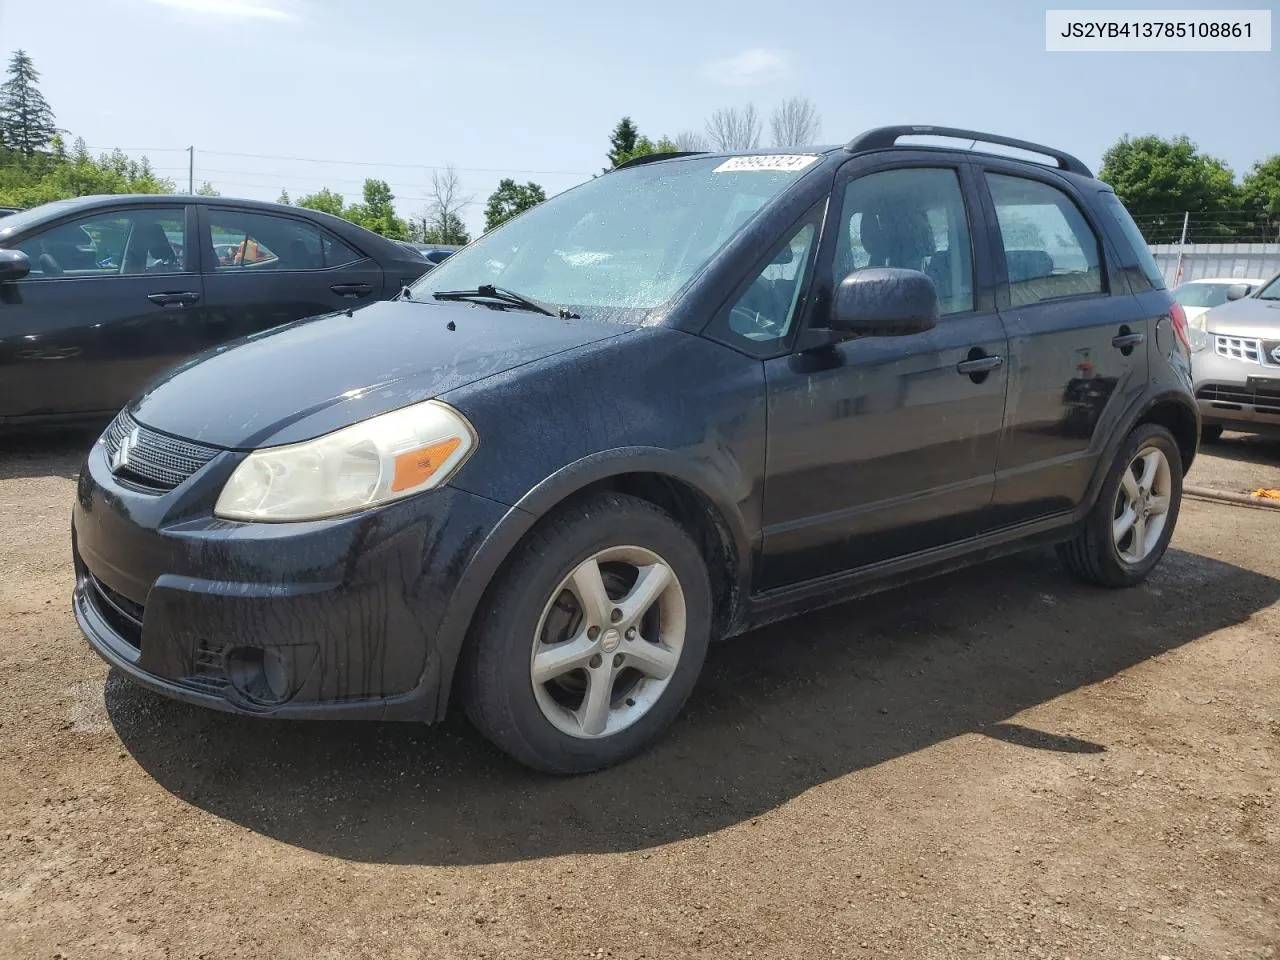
(120, 459)
(1275, 353)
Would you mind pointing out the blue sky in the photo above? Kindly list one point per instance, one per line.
(531, 90)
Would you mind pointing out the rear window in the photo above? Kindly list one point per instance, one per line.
(1141, 252)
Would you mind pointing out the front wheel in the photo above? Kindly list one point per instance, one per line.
(591, 639)
(1131, 524)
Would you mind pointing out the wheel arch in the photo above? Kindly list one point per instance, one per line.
(683, 488)
(1174, 411)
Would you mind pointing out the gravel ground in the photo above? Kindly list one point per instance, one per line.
(999, 763)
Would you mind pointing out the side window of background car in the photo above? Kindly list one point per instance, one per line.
(1050, 251)
(337, 253)
(767, 308)
(109, 245)
(255, 241)
(912, 218)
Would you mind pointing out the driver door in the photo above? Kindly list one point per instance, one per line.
(883, 447)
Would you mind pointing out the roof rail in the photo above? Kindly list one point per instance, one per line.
(653, 157)
(883, 137)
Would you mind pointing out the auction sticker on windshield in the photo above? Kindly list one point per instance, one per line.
(778, 161)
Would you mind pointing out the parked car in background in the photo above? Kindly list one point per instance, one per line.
(436, 253)
(1197, 296)
(693, 395)
(98, 294)
(1237, 361)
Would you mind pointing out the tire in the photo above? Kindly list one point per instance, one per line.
(555, 726)
(1211, 433)
(1095, 555)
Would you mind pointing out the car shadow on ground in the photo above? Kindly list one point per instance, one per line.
(777, 712)
(1245, 447)
(50, 452)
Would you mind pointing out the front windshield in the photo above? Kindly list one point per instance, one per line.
(626, 242)
(1271, 291)
(1202, 294)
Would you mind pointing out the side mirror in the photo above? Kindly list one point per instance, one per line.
(1238, 291)
(14, 265)
(885, 302)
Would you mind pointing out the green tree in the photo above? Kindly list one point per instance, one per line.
(207, 190)
(326, 201)
(378, 212)
(1159, 180)
(284, 197)
(448, 230)
(1260, 197)
(645, 147)
(26, 118)
(510, 199)
(622, 142)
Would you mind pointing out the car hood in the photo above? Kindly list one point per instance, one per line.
(1248, 317)
(313, 376)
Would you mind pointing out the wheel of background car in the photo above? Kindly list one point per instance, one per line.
(1211, 433)
(592, 637)
(1128, 530)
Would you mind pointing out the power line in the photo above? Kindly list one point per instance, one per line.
(355, 163)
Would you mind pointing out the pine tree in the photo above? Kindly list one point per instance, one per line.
(26, 118)
(622, 142)
(284, 197)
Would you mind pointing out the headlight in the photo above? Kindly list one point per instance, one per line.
(1199, 339)
(366, 464)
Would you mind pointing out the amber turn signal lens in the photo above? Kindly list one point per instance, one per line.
(415, 467)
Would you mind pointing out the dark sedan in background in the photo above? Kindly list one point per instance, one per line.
(99, 294)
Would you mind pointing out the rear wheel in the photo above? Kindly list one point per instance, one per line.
(1132, 522)
(592, 638)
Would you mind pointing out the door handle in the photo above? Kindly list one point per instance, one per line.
(1122, 340)
(351, 289)
(979, 365)
(173, 299)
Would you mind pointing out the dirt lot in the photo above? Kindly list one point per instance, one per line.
(998, 764)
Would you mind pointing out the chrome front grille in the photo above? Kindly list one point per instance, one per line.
(1237, 348)
(151, 460)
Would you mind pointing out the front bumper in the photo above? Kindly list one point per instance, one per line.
(304, 620)
(1239, 392)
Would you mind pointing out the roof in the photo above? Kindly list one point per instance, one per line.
(886, 138)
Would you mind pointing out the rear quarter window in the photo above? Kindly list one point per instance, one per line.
(1138, 254)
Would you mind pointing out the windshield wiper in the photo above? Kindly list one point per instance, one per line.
(488, 291)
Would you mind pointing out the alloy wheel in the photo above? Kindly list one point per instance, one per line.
(1142, 505)
(607, 642)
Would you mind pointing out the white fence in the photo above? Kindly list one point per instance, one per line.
(1253, 260)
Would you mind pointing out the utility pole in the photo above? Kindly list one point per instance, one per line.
(1177, 274)
(191, 170)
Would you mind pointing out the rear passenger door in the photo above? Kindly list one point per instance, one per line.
(1077, 339)
(265, 269)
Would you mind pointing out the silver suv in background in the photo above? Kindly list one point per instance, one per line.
(1236, 362)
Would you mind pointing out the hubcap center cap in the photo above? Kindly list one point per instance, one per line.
(609, 642)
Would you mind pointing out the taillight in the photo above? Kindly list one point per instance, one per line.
(1179, 318)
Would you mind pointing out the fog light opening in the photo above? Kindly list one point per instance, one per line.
(259, 675)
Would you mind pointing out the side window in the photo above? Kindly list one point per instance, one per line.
(767, 308)
(1050, 251)
(913, 218)
(1137, 243)
(110, 245)
(256, 241)
(337, 253)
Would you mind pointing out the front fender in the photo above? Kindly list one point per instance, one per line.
(554, 490)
